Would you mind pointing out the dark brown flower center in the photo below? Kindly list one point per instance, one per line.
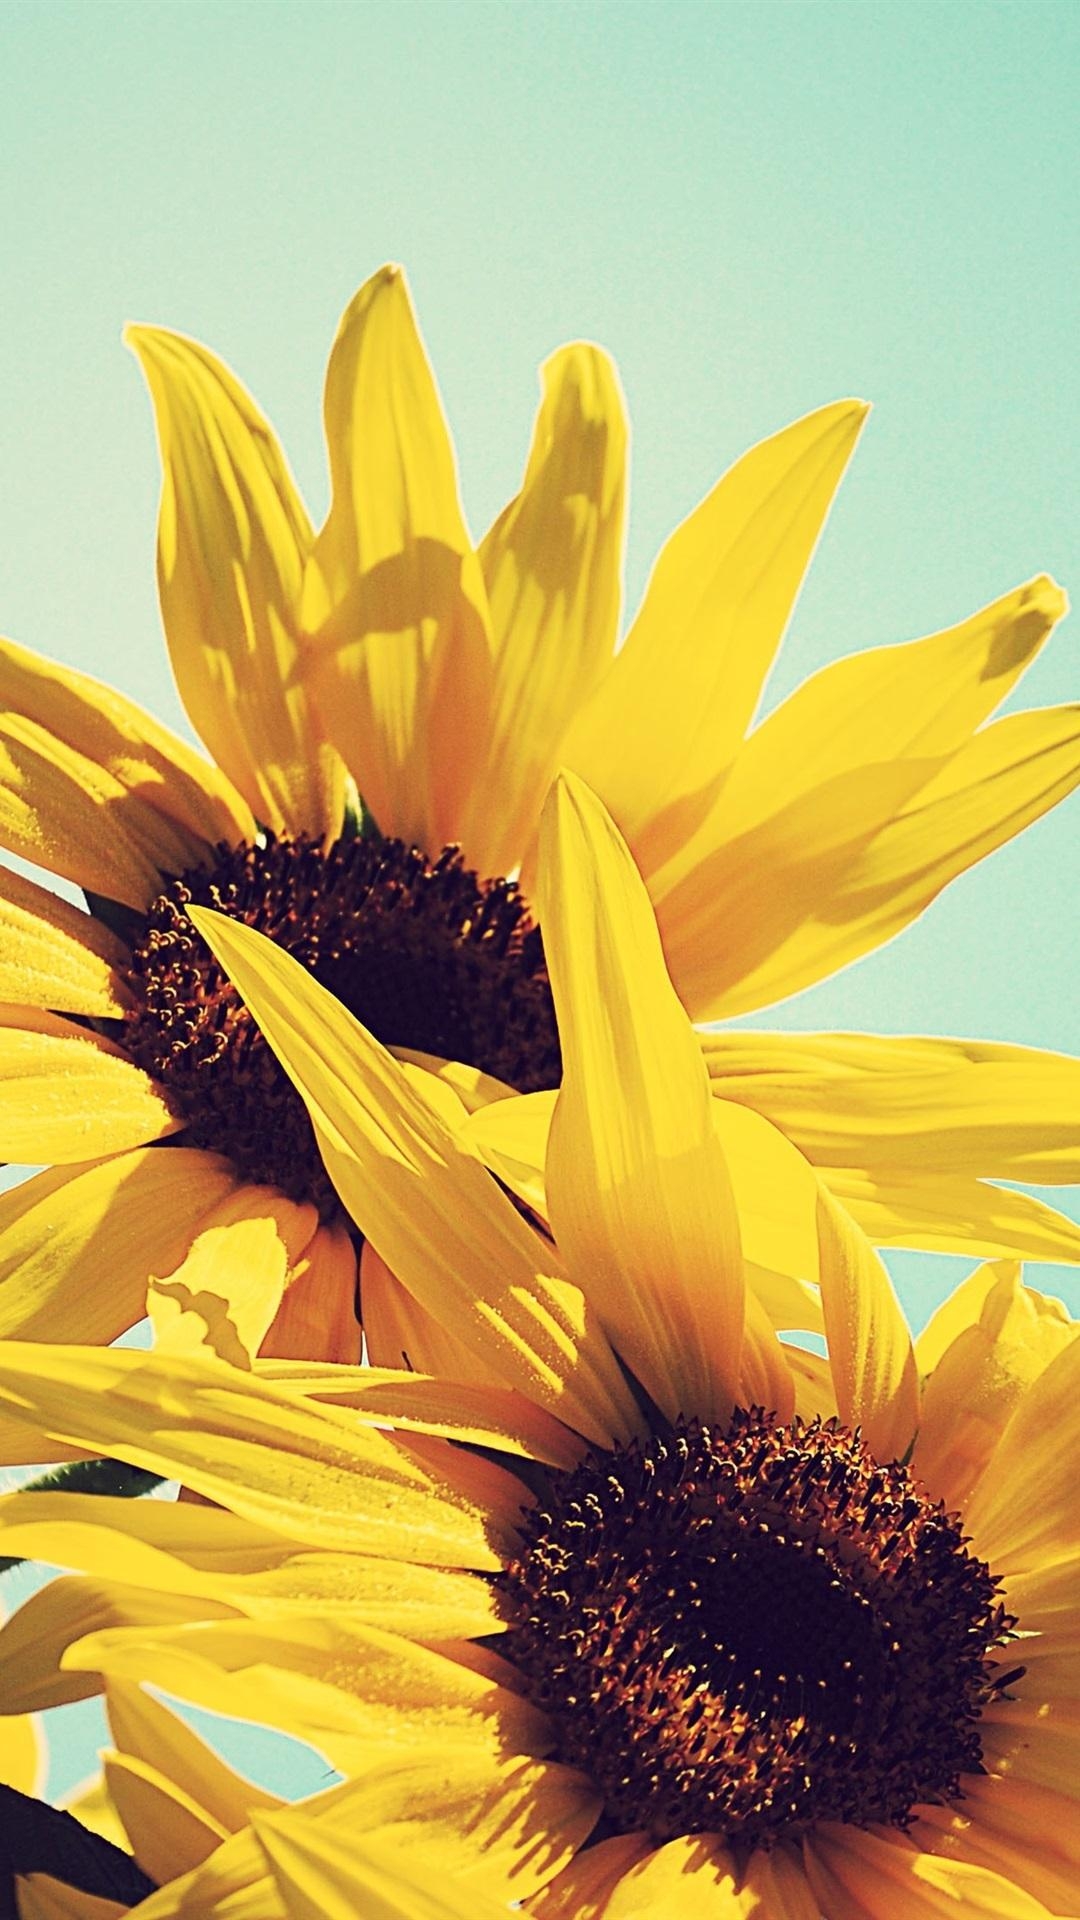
(752, 1631)
(425, 954)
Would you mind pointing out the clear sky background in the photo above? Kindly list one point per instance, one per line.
(757, 207)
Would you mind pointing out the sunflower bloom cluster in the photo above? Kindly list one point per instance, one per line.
(480, 1277)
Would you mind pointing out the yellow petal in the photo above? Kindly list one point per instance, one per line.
(582, 1890)
(394, 598)
(552, 566)
(94, 789)
(981, 1377)
(890, 1103)
(1023, 1513)
(94, 1810)
(693, 1877)
(66, 1093)
(637, 1186)
(974, 1832)
(169, 1831)
(959, 1310)
(856, 1875)
(39, 1633)
(870, 1351)
(492, 1417)
(233, 538)
(53, 955)
(399, 1332)
(348, 1690)
(421, 1194)
(831, 875)
(324, 1876)
(228, 1287)
(666, 721)
(77, 1243)
(317, 1318)
(145, 1730)
(953, 1213)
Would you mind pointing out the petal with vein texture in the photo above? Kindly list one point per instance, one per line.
(66, 1093)
(675, 704)
(233, 538)
(310, 1471)
(552, 564)
(858, 1876)
(1023, 1514)
(637, 1186)
(62, 1230)
(394, 600)
(54, 955)
(953, 1213)
(870, 1351)
(422, 1195)
(317, 1318)
(324, 1876)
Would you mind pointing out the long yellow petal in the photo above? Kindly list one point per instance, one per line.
(227, 1289)
(349, 1690)
(981, 1378)
(582, 1890)
(637, 1186)
(394, 599)
(323, 1876)
(664, 724)
(1021, 1848)
(170, 1833)
(1023, 1513)
(870, 1351)
(552, 563)
(857, 1875)
(54, 955)
(420, 1193)
(492, 1417)
(78, 1243)
(147, 799)
(835, 873)
(694, 1877)
(39, 1633)
(143, 1728)
(233, 538)
(310, 1471)
(949, 1212)
(66, 1093)
(884, 1102)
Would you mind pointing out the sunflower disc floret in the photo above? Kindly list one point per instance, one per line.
(754, 1631)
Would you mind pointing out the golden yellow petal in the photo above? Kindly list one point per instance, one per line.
(870, 1352)
(77, 1243)
(148, 800)
(887, 1103)
(552, 563)
(950, 1212)
(310, 1471)
(144, 1729)
(93, 1809)
(582, 1890)
(66, 1093)
(326, 1876)
(1024, 1514)
(637, 1186)
(227, 1289)
(54, 955)
(857, 1875)
(959, 1310)
(830, 875)
(233, 539)
(22, 1754)
(317, 1317)
(693, 1877)
(399, 1332)
(971, 1832)
(982, 1376)
(46, 1626)
(666, 721)
(394, 599)
(420, 1192)
(168, 1831)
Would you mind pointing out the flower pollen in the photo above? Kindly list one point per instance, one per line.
(425, 954)
(753, 1631)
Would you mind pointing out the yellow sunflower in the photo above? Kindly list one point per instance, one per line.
(451, 682)
(779, 1636)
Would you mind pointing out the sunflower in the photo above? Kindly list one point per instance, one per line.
(697, 1622)
(450, 683)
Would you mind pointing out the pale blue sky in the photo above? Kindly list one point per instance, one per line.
(757, 207)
